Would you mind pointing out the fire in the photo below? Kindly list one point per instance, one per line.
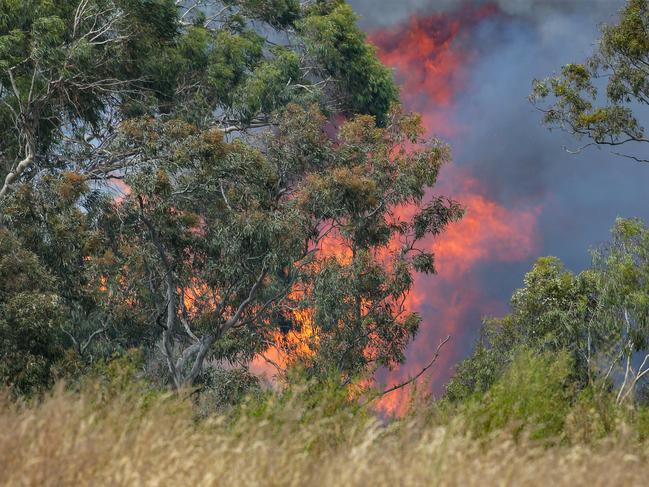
(297, 344)
(197, 297)
(432, 58)
(489, 233)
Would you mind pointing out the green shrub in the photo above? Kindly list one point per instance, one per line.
(320, 411)
(593, 416)
(220, 389)
(532, 396)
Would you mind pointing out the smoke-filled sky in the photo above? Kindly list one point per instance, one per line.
(468, 68)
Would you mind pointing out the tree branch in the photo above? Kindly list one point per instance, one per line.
(417, 376)
(13, 175)
(251, 295)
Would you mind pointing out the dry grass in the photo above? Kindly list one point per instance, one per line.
(69, 441)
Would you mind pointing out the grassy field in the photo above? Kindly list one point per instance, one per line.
(94, 439)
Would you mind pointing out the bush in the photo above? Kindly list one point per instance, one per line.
(220, 389)
(532, 396)
(593, 416)
(30, 320)
(321, 412)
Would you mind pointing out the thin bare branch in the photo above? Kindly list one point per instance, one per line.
(416, 376)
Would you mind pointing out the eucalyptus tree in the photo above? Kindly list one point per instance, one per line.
(605, 98)
(73, 71)
(376, 205)
(30, 312)
(554, 310)
(600, 316)
(245, 138)
(622, 267)
(65, 70)
(224, 243)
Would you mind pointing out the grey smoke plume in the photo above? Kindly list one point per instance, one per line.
(503, 144)
(383, 13)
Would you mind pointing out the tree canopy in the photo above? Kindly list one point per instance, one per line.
(598, 316)
(604, 98)
(204, 180)
(71, 72)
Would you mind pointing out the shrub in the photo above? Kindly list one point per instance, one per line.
(532, 396)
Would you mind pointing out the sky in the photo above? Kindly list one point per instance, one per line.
(468, 68)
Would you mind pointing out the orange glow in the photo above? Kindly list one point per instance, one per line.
(298, 344)
(197, 297)
(432, 58)
(333, 246)
(430, 61)
(488, 233)
(103, 288)
(119, 188)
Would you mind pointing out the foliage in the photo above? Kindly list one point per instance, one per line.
(623, 268)
(219, 243)
(30, 314)
(598, 316)
(321, 408)
(222, 389)
(533, 396)
(552, 312)
(70, 72)
(219, 222)
(357, 291)
(573, 100)
(331, 38)
(68, 437)
(59, 220)
(477, 373)
(594, 416)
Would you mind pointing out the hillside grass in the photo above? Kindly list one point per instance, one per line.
(126, 438)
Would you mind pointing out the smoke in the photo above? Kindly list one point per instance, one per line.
(468, 68)
(384, 13)
(454, 301)
(430, 55)
(433, 57)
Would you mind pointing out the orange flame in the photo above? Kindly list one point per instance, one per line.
(489, 232)
(432, 57)
(430, 60)
(297, 344)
